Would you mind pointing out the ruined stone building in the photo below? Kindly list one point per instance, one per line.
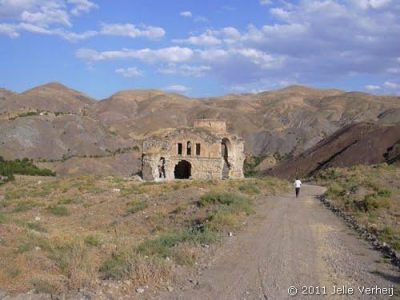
(204, 151)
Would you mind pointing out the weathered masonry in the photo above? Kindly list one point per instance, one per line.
(204, 151)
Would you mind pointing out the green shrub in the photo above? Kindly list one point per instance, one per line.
(92, 240)
(22, 167)
(384, 193)
(250, 164)
(36, 227)
(164, 244)
(234, 201)
(59, 210)
(250, 189)
(135, 267)
(2, 218)
(222, 219)
(44, 286)
(219, 198)
(390, 235)
(65, 200)
(116, 267)
(374, 201)
(136, 206)
(25, 206)
(335, 189)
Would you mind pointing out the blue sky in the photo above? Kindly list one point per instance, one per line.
(200, 48)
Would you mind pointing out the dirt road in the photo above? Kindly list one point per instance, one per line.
(292, 242)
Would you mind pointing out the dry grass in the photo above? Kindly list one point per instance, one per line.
(59, 235)
(371, 194)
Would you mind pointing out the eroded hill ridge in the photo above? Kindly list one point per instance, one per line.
(55, 123)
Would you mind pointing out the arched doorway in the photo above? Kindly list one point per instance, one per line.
(225, 148)
(161, 168)
(183, 170)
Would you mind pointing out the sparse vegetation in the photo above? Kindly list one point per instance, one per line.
(92, 240)
(165, 245)
(135, 206)
(21, 167)
(250, 164)
(26, 114)
(70, 233)
(371, 194)
(58, 210)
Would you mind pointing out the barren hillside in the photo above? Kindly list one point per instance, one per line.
(362, 143)
(53, 97)
(53, 121)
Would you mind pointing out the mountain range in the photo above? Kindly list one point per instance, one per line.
(73, 133)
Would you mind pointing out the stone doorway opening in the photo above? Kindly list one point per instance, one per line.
(183, 170)
(225, 148)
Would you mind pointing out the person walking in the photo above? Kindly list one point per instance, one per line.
(297, 186)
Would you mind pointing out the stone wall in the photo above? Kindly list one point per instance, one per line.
(162, 150)
(217, 126)
(201, 168)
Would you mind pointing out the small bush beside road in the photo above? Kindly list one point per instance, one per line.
(371, 194)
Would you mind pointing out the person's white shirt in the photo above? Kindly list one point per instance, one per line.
(297, 183)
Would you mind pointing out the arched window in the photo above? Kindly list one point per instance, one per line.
(180, 148)
(161, 168)
(189, 148)
(198, 149)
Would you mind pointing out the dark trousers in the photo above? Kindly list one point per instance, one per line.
(297, 192)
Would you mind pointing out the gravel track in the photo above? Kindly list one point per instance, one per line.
(291, 242)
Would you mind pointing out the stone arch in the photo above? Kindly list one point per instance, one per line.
(183, 170)
(225, 154)
(189, 148)
(161, 168)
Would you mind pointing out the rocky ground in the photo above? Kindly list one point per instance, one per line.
(287, 243)
(292, 242)
(114, 237)
(55, 123)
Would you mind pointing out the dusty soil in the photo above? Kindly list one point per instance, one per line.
(291, 242)
(361, 143)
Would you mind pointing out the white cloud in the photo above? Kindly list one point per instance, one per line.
(241, 55)
(177, 88)
(50, 13)
(171, 54)
(81, 6)
(39, 12)
(371, 4)
(133, 31)
(34, 29)
(49, 17)
(205, 39)
(212, 54)
(132, 72)
(212, 37)
(372, 87)
(265, 2)
(128, 30)
(187, 14)
(260, 58)
(74, 37)
(9, 30)
(393, 70)
(14, 8)
(388, 87)
(185, 70)
(308, 41)
(200, 19)
(391, 85)
(280, 13)
(229, 35)
(43, 11)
